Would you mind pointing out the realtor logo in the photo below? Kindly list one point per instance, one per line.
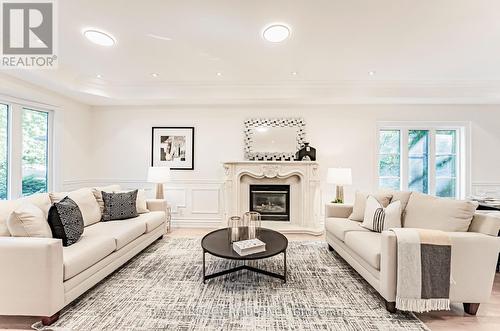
(28, 34)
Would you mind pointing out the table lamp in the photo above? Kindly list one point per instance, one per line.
(339, 177)
(159, 175)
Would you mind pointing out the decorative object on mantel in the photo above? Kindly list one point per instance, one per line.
(306, 153)
(339, 177)
(173, 147)
(273, 139)
(158, 176)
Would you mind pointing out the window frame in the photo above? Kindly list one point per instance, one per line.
(15, 145)
(462, 152)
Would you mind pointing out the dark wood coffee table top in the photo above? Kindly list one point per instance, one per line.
(217, 243)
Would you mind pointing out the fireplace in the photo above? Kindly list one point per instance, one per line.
(271, 201)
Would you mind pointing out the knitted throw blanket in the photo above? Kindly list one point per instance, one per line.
(423, 270)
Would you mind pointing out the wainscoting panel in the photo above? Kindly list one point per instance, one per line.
(194, 203)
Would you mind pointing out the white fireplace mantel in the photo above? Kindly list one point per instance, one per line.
(303, 178)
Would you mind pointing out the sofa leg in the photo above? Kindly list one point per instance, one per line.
(48, 320)
(330, 248)
(390, 306)
(471, 308)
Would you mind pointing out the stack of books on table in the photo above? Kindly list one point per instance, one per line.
(250, 246)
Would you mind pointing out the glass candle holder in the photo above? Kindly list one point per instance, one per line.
(252, 220)
(235, 224)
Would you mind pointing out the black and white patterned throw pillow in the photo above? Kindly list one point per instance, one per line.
(66, 221)
(119, 206)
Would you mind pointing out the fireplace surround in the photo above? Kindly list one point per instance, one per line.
(302, 177)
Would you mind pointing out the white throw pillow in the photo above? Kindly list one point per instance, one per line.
(358, 210)
(378, 219)
(28, 220)
(140, 202)
(85, 200)
(98, 195)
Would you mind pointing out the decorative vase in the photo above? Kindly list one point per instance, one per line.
(306, 153)
(252, 220)
(236, 228)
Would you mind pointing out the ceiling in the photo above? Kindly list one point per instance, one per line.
(428, 51)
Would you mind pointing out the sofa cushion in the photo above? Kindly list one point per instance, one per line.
(85, 200)
(41, 200)
(358, 210)
(28, 220)
(377, 218)
(340, 226)
(152, 219)
(367, 245)
(429, 212)
(123, 232)
(85, 253)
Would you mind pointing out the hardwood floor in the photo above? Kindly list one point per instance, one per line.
(487, 318)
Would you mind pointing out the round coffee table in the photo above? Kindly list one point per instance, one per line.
(217, 243)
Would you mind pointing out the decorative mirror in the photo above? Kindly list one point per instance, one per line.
(273, 139)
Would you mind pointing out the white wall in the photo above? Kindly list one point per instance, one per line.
(344, 135)
(72, 127)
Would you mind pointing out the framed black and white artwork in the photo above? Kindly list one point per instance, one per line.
(173, 147)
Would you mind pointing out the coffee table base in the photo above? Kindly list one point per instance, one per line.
(245, 267)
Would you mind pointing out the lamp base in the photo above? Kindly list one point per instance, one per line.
(339, 196)
(159, 191)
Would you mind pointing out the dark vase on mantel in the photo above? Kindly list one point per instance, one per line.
(306, 153)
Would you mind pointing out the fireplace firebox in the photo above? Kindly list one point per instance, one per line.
(271, 201)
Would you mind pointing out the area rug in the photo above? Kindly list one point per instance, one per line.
(161, 289)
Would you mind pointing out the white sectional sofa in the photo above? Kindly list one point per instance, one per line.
(374, 255)
(39, 276)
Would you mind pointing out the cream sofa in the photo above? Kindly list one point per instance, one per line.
(374, 256)
(39, 276)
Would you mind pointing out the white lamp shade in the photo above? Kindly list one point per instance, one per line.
(339, 176)
(158, 174)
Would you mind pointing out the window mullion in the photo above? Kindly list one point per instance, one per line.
(432, 161)
(404, 159)
(15, 152)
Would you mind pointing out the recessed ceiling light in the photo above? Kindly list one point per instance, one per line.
(372, 73)
(98, 76)
(219, 74)
(99, 37)
(294, 73)
(276, 33)
(155, 75)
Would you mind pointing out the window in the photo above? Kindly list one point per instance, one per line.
(422, 158)
(4, 147)
(25, 137)
(35, 129)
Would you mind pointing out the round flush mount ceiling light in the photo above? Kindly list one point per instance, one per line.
(276, 33)
(98, 37)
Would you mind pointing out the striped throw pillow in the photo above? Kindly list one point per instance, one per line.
(377, 218)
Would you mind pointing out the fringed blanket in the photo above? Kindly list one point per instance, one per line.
(424, 263)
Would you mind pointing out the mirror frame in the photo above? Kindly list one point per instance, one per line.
(250, 126)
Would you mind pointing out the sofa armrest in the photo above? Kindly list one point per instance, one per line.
(339, 210)
(473, 263)
(31, 276)
(485, 223)
(157, 204)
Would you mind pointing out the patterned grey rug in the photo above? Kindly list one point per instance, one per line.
(161, 288)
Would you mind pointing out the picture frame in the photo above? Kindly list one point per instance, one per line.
(172, 147)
